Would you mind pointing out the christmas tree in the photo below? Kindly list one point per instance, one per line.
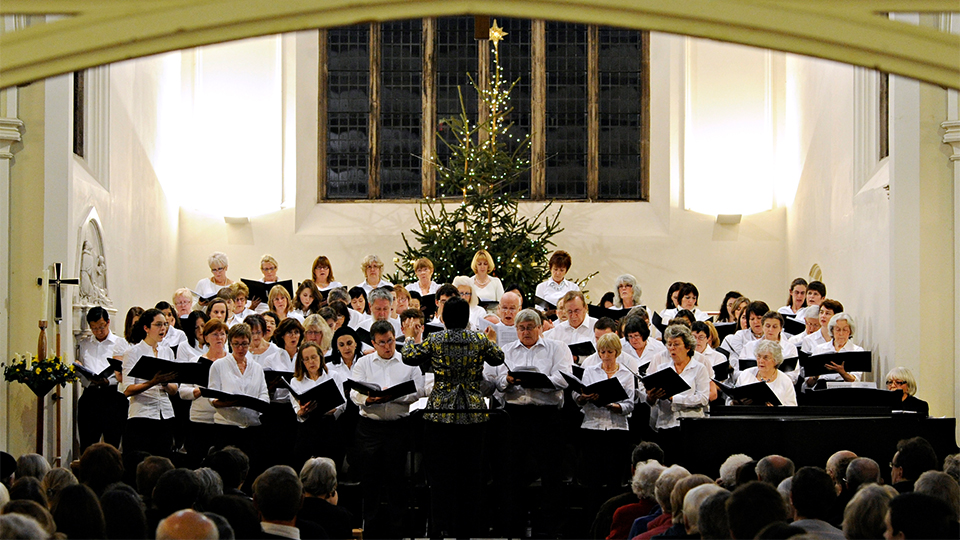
(483, 170)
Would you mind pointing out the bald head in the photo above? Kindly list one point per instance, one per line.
(509, 306)
(837, 464)
(187, 524)
(774, 469)
(861, 471)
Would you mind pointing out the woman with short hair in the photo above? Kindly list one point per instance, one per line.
(901, 378)
(372, 268)
(424, 285)
(554, 287)
(207, 287)
(769, 357)
(841, 329)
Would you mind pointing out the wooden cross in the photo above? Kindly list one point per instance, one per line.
(59, 282)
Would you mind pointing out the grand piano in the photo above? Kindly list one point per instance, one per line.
(808, 435)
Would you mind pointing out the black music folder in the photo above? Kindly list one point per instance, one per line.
(582, 349)
(793, 326)
(609, 390)
(598, 312)
(260, 290)
(326, 394)
(374, 390)
(242, 400)
(531, 379)
(186, 372)
(90, 375)
(758, 393)
(667, 380)
(725, 329)
(852, 361)
(546, 306)
(789, 364)
(746, 363)
(485, 304)
(722, 370)
(658, 323)
(274, 377)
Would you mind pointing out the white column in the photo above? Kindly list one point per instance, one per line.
(951, 136)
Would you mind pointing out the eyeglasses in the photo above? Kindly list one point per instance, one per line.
(268, 268)
(220, 269)
(896, 382)
(240, 344)
(386, 343)
(99, 327)
(893, 465)
(160, 324)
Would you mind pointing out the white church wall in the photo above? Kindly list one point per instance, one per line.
(657, 241)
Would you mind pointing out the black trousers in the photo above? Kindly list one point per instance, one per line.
(381, 447)
(101, 412)
(454, 461)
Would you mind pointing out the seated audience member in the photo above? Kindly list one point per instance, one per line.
(779, 530)
(319, 478)
(187, 525)
(678, 528)
(667, 480)
(53, 483)
(148, 472)
(901, 378)
(729, 468)
(100, 465)
(837, 464)
(28, 489)
(774, 469)
(692, 502)
(642, 453)
(812, 495)
(32, 465)
(78, 514)
(176, 490)
(747, 473)
(860, 471)
(644, 487)
(278, 496)
(224, 529)
(233, 466)
(123, 512)
(211, 485)
(914, 457)
(918, 515)
(712, 519)
(33, 510)
(951, 466)
(863, 518)
(20, 526)
(942, 486)
(752, 507)
(240, 512)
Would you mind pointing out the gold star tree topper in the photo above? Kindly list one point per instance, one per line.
(496, 34)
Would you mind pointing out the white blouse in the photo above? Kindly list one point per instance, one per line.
(225, 376)
(302, 385)
(206, 287)
(666, 413)
(552, 292)
(153, 402)
(415, 287)
(275, 359)
(781, 386)
(788, 349)
(201, 411)
(492, 291)
(602, 418)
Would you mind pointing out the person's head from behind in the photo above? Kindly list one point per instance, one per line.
(240, 513)
(319, 478)
(918, 515)
(124, 512)
(33, 510)
(148, 472)
(679, 493)
(812, 493)
(646, 451)
(211, 485)
(176, 490)
(712, 517)
(729, 468)
(32, 465)
(101, 465)
(278, 494)
(232, 464)
(773, 469)
(914, 457)
(21, 526)
(78, 513)
(224, 529)
(665, 483)
(862, 470)
(28, 488)
(864, 515)
(54, 482)
(692, 502)
(752, 507)
(942, 486)
(645, 478)
(186, 525)
(456, 313)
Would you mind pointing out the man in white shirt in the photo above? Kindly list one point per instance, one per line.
(534, 434)
(578, 328)
(381, 305)
(504, 332)
(382, 433)
(101, 410)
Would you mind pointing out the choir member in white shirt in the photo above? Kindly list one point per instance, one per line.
(101, 409)
(556, 285)
(637, 343)
(488, 287)
(174, 336)
(841, 329)
(201, 433)
(534, 431)
(578, 328)
(706, 336)
(183, 302)
(219, 309)
(728, 308)
(240, 311)
(235, 374)
(735, 342)
(772, 325)
(504, 331)
(346, 351)
(218, 267)
(688, 296)
(604, 431)
(604, 326)
(381, 304)
(279, 301)
(469, 293)
(307, 300)
(424, 284)
(666, 412)
(279, 422)
(339, 295)
(358, 300)
(123, 344)
(816, 294)
(628, 292)
(268, 267)
(372, 268)
(193, 328)
(322, 273)
(769, 358)
(382, 437)
(316, 430)
(273, 321)
(797, 298)
(150, 415)
(828, 308)
(811, 320)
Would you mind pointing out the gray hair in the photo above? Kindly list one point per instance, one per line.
(338, 293)
(862, 470)
(680, 331)
(211, 485)
(810, 312)
(380, 293)
(665, 484)
(32, 465)
(728, 470)
(691, 505)
(217, 257)
(951, 466)
(468, 282)
(626, 279)
(528, 315)
(904, 375)
(942, 486)
(20, 526)
(370, 260)
(865, 513)
(842, 316)
(770, 347)
(319, 476)
(645, 478)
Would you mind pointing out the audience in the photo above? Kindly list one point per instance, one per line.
(32, 465)
(20, 526)
(28, 488)
(78, 513)
(752, 507)
(278, 496)
(866, 512)
(728, 471)
(913, 457)
(33, 510)
(644, 485)
(918, 515)
(712, 519)
(148, 472)
(100, 465)
(123, 512)
(812, 494)
(54, 481)
(693, 501)
(774, 469)
(319, 478)
(186, 525)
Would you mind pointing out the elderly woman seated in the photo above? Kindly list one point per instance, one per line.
(841, 329)
(643, 486)
(901, 378)
(320, 498)
(769, 357)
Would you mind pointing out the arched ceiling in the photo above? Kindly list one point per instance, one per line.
(95, 32)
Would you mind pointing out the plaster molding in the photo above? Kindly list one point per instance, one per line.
(952, 137)
(9, 134)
